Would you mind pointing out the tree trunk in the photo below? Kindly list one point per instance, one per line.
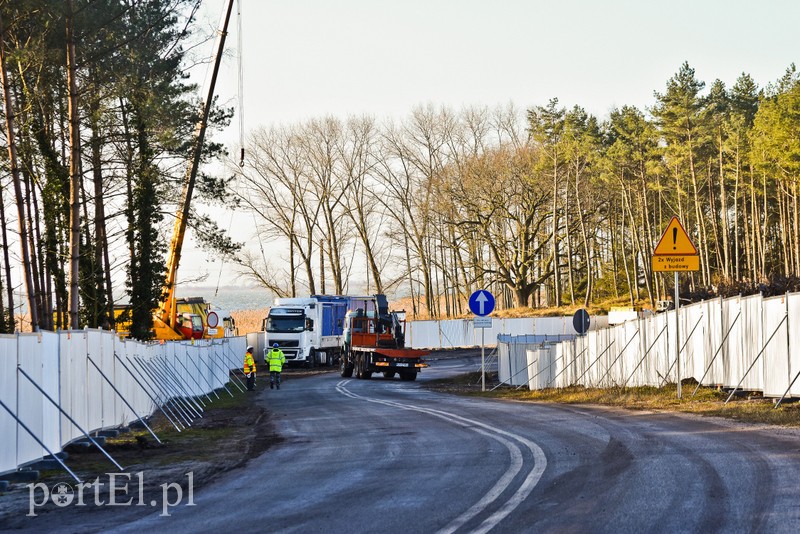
(723, 200)
(736, 258)
(74, 173)
(12, 155)
(11, 324)
(556, 269)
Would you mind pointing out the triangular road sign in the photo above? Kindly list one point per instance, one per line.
(675, 241)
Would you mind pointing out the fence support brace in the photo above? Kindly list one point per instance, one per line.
(570, 363)
(68, 416)
(41, 444)
(146, 392)
(601, 355)
(128, 404)
(666, 375)
(653, 344)
(722, 344)
(757, 357)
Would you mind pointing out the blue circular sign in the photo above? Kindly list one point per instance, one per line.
(580, 321)
(481, 302)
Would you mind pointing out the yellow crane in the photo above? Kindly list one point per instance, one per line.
(166, 321)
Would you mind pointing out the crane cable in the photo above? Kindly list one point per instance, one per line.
(241, 116)
(241, 80)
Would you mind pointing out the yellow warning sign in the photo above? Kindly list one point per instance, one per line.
(675, 241)
(674, 263)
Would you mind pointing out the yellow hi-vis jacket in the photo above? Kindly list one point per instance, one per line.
(249, 363)
(276, 359)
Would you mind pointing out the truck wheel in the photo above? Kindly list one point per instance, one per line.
(389, 374)
(408, 377)
(312, 359)
(361, 371)
(346, 371)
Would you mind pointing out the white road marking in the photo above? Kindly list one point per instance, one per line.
(535, 474)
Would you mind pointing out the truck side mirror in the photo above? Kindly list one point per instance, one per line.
(309, 324)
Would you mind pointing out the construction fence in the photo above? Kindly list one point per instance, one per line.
(454, 333)
(748, 343)
(58, 388)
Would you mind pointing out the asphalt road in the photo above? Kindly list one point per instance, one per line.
(392, 457)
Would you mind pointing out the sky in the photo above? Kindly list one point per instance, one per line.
(306, 59)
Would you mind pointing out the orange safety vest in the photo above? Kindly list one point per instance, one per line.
(249, 363)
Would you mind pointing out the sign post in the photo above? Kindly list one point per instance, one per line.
(675, 252)
(481, 303)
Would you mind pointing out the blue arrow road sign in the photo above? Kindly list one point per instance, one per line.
(481, 302)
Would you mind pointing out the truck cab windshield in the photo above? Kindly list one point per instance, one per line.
(286, 323)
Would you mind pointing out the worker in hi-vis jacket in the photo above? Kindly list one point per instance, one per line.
(250, 369)
(275, 359)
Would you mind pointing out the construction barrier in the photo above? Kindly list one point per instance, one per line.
(56, 388)
(740, 343)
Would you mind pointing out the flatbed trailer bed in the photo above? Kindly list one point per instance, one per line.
(365, 361)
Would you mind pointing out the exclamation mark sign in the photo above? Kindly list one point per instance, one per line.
(674, 238)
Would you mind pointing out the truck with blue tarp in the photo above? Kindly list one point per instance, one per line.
(308, 330)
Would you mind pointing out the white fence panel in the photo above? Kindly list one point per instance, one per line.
(73, 386)
(732, 358)
(101, 351)
(601, 345)
(537, 362)
(454, 333)
(714, 333)
(512, 365)
(793, 321)
(563, 354)
(174, 363)
(722, 342)
(422, 334)
(752, 343)
(94, 382)
(657, 352)
(8, 394)
(692, 355)
(619, 361)
(775, 360)
(50, 383)
(31, 403)
(127, 387)
(573, 353)
(461, 332)
(553, 326)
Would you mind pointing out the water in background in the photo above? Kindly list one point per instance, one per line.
(230, 298)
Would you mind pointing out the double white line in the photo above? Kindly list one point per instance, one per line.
(500, 435)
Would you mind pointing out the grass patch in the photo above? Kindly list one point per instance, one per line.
(744, 406)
